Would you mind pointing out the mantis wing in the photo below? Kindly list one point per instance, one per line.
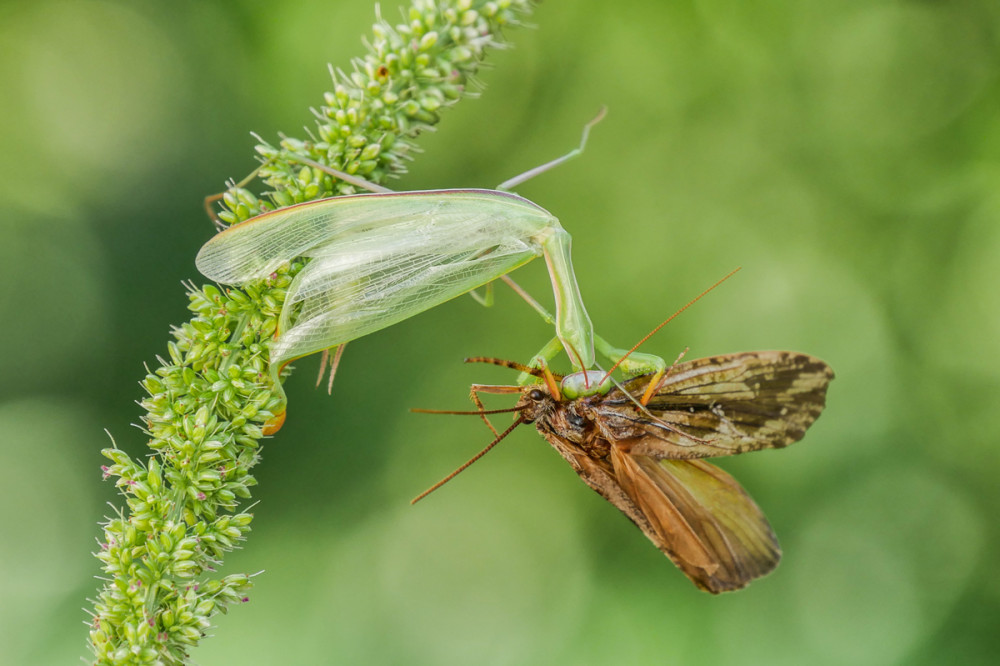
(700, 517)
(377, 258)
(257, 247)
(353, 287)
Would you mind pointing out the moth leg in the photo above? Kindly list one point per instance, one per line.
(474, 392)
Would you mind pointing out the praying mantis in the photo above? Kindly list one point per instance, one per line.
(378, 258)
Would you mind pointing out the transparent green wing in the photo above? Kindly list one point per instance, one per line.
(377, 259)
(353, 288)
(255, 248)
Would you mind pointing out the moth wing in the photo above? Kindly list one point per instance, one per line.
(700, 517)
(600, 477)
(729, 404)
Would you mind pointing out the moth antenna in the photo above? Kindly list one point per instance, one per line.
(470, 412)
(667, 321)
(209, 200)
(513, 365)
(470, 461)
(503, 363)
(497, 390)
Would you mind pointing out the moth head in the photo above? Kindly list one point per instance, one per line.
(536, 404)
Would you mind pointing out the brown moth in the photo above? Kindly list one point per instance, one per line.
(646, 459)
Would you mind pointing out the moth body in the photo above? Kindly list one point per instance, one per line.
(644, 459)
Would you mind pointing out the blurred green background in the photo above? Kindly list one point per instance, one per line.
(846, 154)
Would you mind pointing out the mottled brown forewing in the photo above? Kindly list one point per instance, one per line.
(732, 403)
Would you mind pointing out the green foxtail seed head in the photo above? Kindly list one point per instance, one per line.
(209, 397)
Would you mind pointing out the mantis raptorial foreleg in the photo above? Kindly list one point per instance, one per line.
(542, 358)
(634, 363)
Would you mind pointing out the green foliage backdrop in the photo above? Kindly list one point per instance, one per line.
(847, 155)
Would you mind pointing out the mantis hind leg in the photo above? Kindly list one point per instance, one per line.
(212, 198)
(486, 300)
(357, 181)
(511, 183)
(507, 185)
(333, 362)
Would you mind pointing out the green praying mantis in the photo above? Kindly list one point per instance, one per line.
(378, 258)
